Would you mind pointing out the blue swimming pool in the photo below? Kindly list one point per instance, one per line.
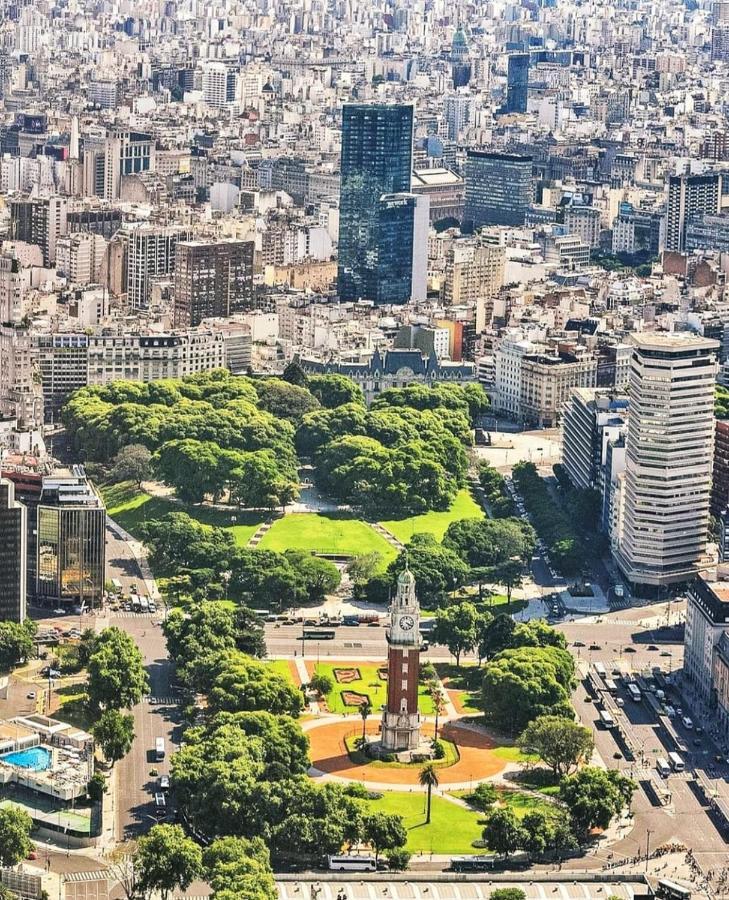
(36, 758)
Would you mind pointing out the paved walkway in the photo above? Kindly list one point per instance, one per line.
(330, 757)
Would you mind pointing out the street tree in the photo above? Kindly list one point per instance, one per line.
(15, 828)
(594, 797)
(510, 574)
(237, 867)
(484, 796)
(16, 643)
(439, 703)
(383, 831)
(428, 778)
(562, 744)
(322, 683)
(116, 675)
(167, 860)
(503, 834)
(114, 733)
(512, 893)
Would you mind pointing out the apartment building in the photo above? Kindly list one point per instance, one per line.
(669, 455)
(591, 418)
(80, 256)
(707, 619)
(13, 554)
(474, 272)
(151, 253)
(212, 279)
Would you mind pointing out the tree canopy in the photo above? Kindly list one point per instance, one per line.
(594, 796)
(116, 675)
(560, 743)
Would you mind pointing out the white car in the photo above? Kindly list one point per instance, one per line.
(687, 723)
(620, 702)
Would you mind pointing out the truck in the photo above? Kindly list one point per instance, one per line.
(136, 603)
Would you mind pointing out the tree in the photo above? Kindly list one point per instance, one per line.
(361, 568)
(428, 778)
(132, 463)
(237, 867)
(398, 860)
(563, 745)
(114, 732)
(245, 685)
(502, 833)
(510, 574)
(521, 684)
(456, 628)
(15, 828)
(512, 893)
(294, 374)
(495, 635)
(16, 643)
(284, 400)
(249, 637)
(383, 831)
(489, 542)
(116, 675)
(97, 787)
(484, 796)
(322, 683)
(167, 860)
(439, 704)
(335, 390)
(537, 831)
(364, 710)
(594, 796)
(437, 570)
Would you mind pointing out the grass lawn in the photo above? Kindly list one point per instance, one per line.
(452, 828)
(130, 507)
(513, 754)
(369, 683)
(436, 523)
(326, 533)
(282, 667)
(519, 802)
(72, 709)
(465, 682)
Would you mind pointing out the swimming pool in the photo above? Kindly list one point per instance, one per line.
(36, 758)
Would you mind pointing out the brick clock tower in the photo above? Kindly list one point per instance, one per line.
(401, 719)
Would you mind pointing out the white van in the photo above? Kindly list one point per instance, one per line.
(352, 863)
(664, 770)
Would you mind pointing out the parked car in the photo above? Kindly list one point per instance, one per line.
(30, 695)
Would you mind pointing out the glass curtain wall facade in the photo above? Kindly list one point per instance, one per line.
(376, 160)
(499, 188)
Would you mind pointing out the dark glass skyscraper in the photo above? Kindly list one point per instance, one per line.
(499, 188)
(377, 144)
(517, 83)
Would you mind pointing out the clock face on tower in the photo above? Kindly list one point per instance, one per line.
(406, 622)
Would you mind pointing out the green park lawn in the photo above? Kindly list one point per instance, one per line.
(519, 802)
(369, 683)
(281, 667)
(452, 828)
(130, 507)
(436, 523)
(326, 533)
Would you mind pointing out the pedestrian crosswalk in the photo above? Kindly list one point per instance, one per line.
(163, 701)
(98, 875)
(127, 614)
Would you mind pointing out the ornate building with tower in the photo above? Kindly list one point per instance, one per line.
(401, 718)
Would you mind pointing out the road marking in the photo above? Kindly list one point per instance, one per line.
(98, 875)
(163, 701)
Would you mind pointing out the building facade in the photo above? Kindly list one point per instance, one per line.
(13, 554)
(499, 188)
(212, 279)
(689, 196)
(669, 454)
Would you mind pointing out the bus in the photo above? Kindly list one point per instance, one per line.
(116, 586)
(606, 719)
(664, 770)
(669, 890)
(352, 863)
(634, 692)
(600, 669)
(473, 863)
(319, 634)
(143, 604)
(159, 749)
(611, 687)
(677, 763)
(136, 603)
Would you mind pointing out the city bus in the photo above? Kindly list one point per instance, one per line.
(159, 749)
(669, 890)
(352, 863)
(635, 693)
(473, 863)
(143, 604)
(319, 634)
(606, 719)
(611, 687)
(664, 770)
(600, 669)
(136, 603)
(677, 763)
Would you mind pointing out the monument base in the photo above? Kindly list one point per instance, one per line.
(422, 752)
(400, 731)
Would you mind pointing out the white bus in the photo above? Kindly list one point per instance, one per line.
(136, 603)
(116, 585)
(634, 692)
(606, 719)
(677, 763)
(611, 687)
(352, 863)
(143, 604)
(664, 770)
(600, 669)
(159, 749)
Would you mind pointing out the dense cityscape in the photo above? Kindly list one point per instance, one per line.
(364, 450)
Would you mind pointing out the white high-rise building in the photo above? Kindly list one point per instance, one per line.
(669, 455)
(218, 84)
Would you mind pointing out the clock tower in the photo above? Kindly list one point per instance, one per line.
(401, 719)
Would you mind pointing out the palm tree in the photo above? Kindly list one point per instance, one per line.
(436, 695)
(428, 777)
(364, 710)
